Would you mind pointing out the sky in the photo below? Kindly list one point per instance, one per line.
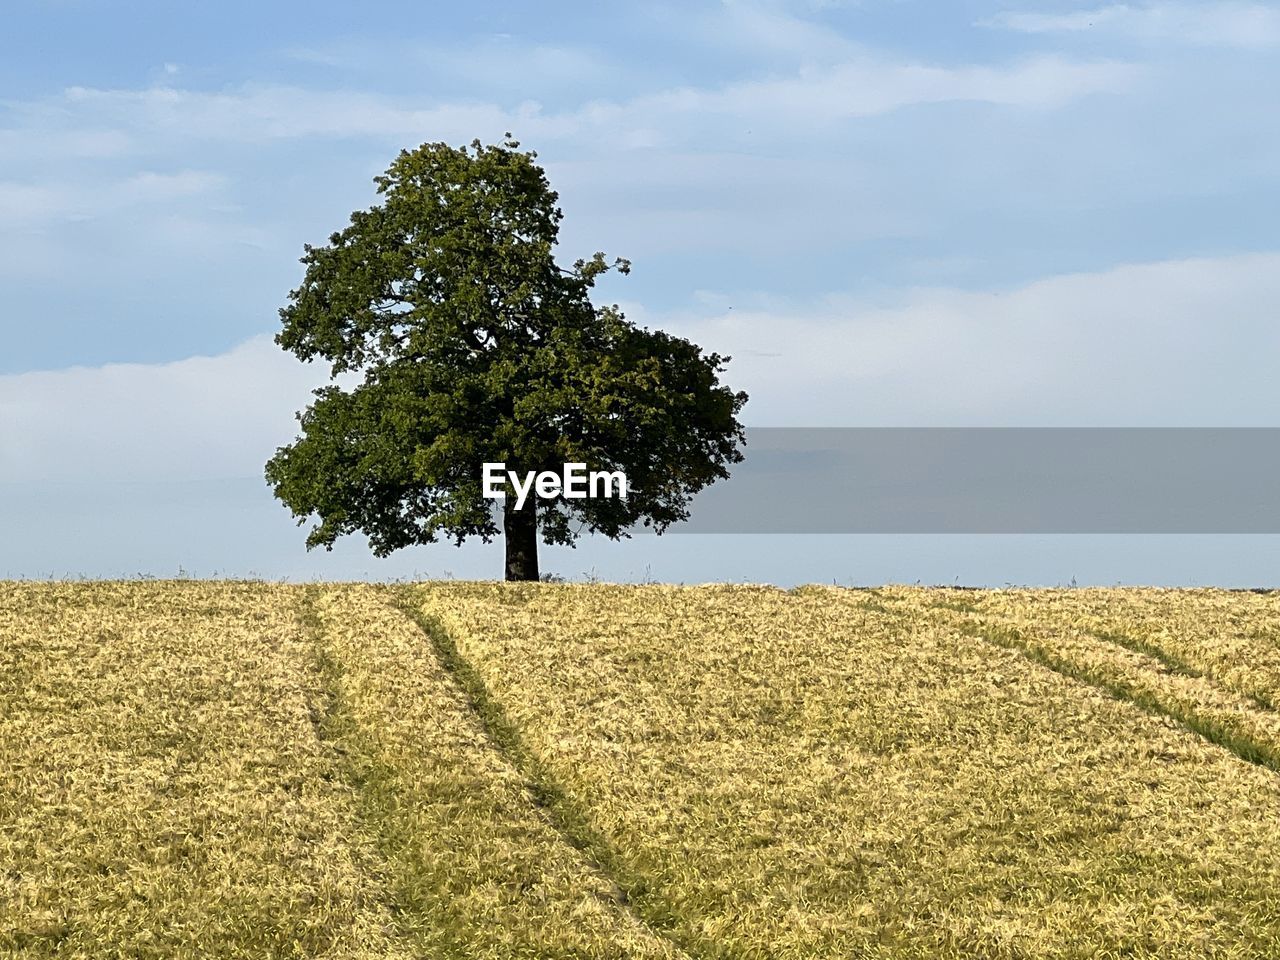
(888, 212)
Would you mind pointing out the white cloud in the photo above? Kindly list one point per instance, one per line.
(761, 33)
(872, 87)
(41, 202)
(1203, 24)
(27, 201)
(98, 152)
(866, 85)
(255, 113)
(1187, 342)
(41, 135)
(151, 187)
(764, 29)
(199, 418)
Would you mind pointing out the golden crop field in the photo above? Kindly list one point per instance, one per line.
(204, 769)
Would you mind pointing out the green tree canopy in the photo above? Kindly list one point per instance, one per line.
(463, 342)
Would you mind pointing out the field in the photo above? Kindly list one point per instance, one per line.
(214, 769)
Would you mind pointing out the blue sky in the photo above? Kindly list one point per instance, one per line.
(889, 212)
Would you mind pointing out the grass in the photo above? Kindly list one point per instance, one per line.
(164, 789)
(1231, 636)
(1183, 679)
(477, 867)
(201, 769)
(804, 774)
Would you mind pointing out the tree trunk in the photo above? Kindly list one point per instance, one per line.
(521, 533)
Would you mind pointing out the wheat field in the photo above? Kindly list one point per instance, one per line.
(218, 769)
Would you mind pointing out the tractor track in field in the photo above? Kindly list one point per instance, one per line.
(333, 726)
(340, 732)
(1231, 726)
(565, 814)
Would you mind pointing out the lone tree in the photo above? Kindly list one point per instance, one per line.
(454, 339)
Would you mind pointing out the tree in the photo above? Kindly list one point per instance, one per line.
(466, 343)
